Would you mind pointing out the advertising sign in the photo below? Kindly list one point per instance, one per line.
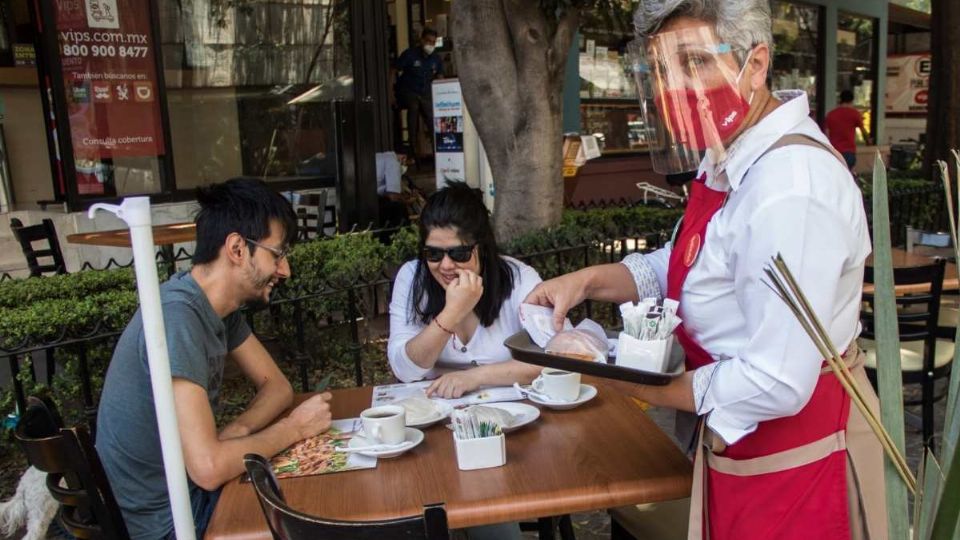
(908, 81)
(448, 124)
(106, 50)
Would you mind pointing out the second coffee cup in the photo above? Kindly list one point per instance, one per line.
(558, 384)
(385, 424)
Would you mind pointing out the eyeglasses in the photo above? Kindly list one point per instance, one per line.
(460, 254)
(278, 254)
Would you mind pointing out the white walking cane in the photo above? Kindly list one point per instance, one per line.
(135, 211)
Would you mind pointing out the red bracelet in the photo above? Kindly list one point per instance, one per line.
(440, 326)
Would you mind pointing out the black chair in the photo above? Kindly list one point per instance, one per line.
(288, 524)
(313, 215)
(45, 232)
(926, 349)
(88, 508)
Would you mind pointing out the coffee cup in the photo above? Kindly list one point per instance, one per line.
(385, 424)
(558, 384)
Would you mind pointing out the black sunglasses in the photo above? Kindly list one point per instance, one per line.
(460, 254)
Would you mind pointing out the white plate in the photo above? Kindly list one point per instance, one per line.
(440, 411)
(413, 438)
(523, 413)
(587, 392)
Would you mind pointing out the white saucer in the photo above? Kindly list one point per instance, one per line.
(587, 392)
(412, 439)
(441, 411)
(524, 414)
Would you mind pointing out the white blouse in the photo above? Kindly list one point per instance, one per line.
(486, 345)
(799, 201)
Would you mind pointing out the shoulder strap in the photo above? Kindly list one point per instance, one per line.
(804, 140)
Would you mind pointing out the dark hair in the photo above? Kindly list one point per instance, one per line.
(428, 32)
(240, 205)
(846, 96)
(461, 206)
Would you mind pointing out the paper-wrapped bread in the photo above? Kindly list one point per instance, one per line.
(579, 344)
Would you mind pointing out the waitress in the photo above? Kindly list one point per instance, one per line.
(781, 453)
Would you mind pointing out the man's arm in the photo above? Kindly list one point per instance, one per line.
(274, 393)
(211, 462)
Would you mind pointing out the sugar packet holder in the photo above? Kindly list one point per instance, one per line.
(653, 356)
(478, 445)
(647, 340)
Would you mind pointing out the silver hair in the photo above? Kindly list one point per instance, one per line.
(743, 24)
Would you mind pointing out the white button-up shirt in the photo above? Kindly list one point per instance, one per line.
(801, 202)
(486, 345)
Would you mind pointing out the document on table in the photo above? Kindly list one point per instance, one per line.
(391, 393)
(318, 455)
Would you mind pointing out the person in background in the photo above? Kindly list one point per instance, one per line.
(840, 126)
(417, 66)
(455, 304)
(390, 169)
(244, 230)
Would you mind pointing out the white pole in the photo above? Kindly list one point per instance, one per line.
(135, 211)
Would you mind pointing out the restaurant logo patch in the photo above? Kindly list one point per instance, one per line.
(692, 250)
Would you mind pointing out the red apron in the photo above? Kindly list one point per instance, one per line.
(788, 479)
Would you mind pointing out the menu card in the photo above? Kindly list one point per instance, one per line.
(318, 455)
(391, 393)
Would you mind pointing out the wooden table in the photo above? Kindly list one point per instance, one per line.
(603, 454)
(902, 259)
(163, 235)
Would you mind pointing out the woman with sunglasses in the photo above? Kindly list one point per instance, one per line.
(454, 305)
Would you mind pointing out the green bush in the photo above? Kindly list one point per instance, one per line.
(21, 292)
(585, 226)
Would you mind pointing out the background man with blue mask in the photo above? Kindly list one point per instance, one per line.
(418, 67)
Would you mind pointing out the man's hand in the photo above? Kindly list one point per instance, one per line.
(562, 293)
(312, 417)
(453, 384)
(463, 293)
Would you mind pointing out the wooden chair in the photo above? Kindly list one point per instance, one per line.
(45, 232)
(88, 508)
(289, 524)
(926, 349)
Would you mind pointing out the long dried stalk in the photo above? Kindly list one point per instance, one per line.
(798, 304)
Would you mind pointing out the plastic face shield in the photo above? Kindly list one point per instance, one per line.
(688, 86)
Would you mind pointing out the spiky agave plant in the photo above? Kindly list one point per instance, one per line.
(936, 487)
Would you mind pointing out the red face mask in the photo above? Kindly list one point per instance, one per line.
(726, 107)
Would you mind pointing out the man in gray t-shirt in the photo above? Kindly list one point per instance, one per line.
(243, 230)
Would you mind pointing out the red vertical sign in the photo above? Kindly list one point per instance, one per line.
(106, 50)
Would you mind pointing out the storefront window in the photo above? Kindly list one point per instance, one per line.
(857, 64)
(796, 39)
(609, 107)
(250, 89)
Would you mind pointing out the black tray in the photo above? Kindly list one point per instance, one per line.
(525, 350)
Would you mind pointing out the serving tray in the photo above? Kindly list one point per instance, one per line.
(525, 350)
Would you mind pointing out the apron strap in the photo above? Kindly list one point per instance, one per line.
(803, 140)
(697, 529)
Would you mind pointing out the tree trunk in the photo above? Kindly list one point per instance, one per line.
(943, 109)
(511, 59)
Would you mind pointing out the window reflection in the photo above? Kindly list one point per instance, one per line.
(856, 63)
(796, 38)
